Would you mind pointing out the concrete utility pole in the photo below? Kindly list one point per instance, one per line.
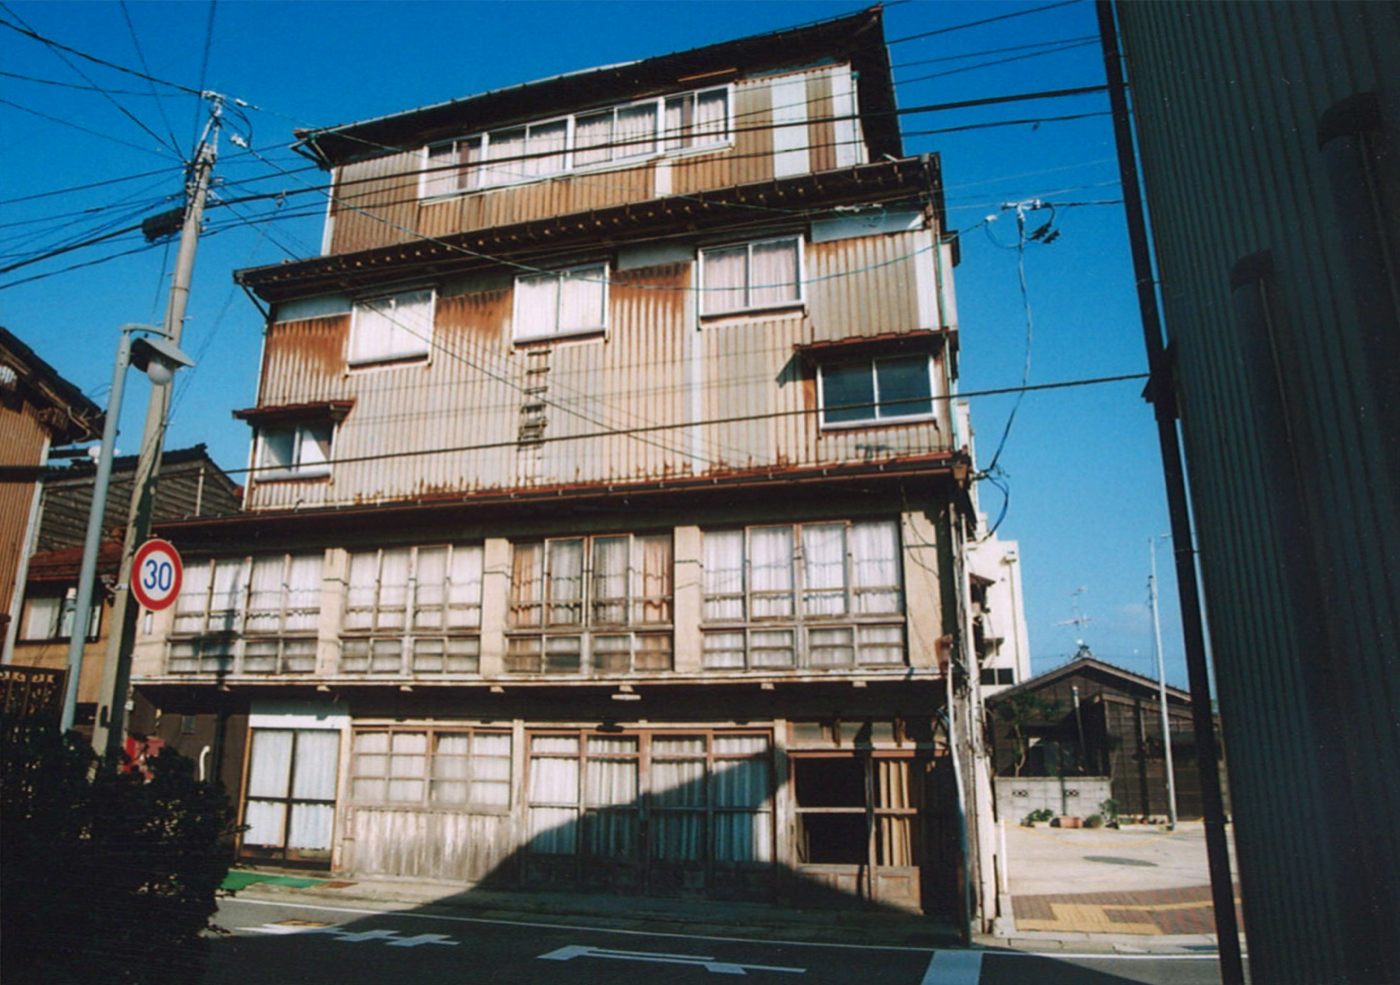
(1162, 684)
(109, 728)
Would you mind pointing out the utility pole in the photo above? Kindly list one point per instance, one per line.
(109, 728)
(1162, 683)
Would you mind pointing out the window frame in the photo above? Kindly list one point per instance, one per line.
(760, 633)
(391, 358)
(481, 173)
(874, 420)
(589, 631)
(409, 634)
(800, 301)
(66, 612)
(560, 274)
(300, 432)
(426, 801)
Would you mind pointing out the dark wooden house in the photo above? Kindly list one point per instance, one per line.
(1091, 718)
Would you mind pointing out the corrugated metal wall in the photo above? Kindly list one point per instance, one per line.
(1295, 487)
(654, 367)
(22, 442)
(378, 199)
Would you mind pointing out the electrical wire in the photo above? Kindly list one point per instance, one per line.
(993, 51)
(141, 57)
(979, 23)
(90, 185)
(87, 130)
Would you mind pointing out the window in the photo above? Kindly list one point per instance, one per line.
(815, 595)
(391, 328)
(751, 276)
(855, 810)
(562, 302)
(591, 603)
(864, 391)
(708, 796)
(413, 609)
(291, 793)
(679, 124)
(298, 451)
(253, 615)
(997, 676)
(50, 616)
(464, 769)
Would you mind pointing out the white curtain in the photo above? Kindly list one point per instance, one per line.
(303, 602)
(408, 761)
(505, 147)
(315, 446)
(724, 649)
(451, 768)
(773, 278)
(271, 766)
(311, 826)
(318, 752)
(442, 178)
(771, 648)
(546, 139)
(491, 777)
(725, 274)
(393, 589)
(226, 603)
(654, 606)
(536, 305)
(392, 327)
(525, 587)
(464, 588)
(824, 569)
(554, 830)
(610, 571)
(371, 768)
(265, 820)
(265, 594)
(582, 299)
(592, 135)
(724, 575)
(565, 564)
(881, 644)
(770, 571)
(193, 603)
(833, 647)
(554, 780)
(635, 132)
(678, 122)
(361, 590)
(875, 567)
(711, 116)
(429, 580)
(611, 782)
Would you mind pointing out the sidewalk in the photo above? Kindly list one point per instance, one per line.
(1140, 888)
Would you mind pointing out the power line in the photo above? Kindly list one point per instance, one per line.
(77, 86)
(94, 59)
(710, 422)
(203, 68)
(997, 62)
(77, 266)
(994, 51)
(141, 57)
(76, 126)
(94, 184)
(979, 23)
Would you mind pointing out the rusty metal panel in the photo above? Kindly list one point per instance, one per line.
(377, 202)
(821, 133)
(304, 361)
(23, 441)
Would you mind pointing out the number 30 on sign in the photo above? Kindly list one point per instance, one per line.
(156, 573)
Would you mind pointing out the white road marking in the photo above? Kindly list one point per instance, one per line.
(712, 965)
(576, 927)
(954, 968)
(390, 937)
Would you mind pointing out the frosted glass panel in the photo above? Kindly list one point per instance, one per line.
(264, 820)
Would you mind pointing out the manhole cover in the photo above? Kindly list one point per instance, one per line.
(1115, 860)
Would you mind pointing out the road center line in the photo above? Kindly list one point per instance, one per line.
(585, 928)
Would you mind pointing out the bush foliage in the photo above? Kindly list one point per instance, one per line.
(107, 876)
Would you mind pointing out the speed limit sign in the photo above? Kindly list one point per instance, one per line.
(156, 573)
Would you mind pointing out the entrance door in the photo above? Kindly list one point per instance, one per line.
(290, 808)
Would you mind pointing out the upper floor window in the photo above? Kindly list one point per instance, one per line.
(294, 451)
(556, 303)
(49, 616)
(864, 391)
(681, 123)
(591, 603)
(814, 594)
(253, 615)
(414, 608)
(751, 276)
(391, 328)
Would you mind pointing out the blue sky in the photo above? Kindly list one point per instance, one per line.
(1081, 464)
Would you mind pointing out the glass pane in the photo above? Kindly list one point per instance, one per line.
(582, 299)
(875, 573)
(848, 393)
(361, 590)
(393, 589)
(774, 276)
(653, 652)
(525, 584)
(563, 654)
(311, 826)
(725, 274)
(612, 782)
(741, 745)
(592, 134)
(830, 647)
(303, 598)
(635, 131)
(314, 446)
(260, 656)
(430, 584)
(711, 116)
(824, 569)
(536, 306)
(318, 753)
(612, 654)
(554, 830)
(743, 837)
(654, 555)
(610, 575)
(464, 588)
(724, 575)
(546, 140)
(880, 644)
(771, 648)
(724, 650)
(740, 783)
(770, 571)
(265, 595)
(505, 146)
(565, 565)
(904, 386)
(679, 118)
(271, 765)
(612, 833)
(278, 448)
(678, 836)
(492, 744)
(442, 174)
(553, 781)
(264, 822)
(678, 783)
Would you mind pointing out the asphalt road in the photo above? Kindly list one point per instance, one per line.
(274, 943)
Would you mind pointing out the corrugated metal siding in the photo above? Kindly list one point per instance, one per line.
(378, 199)
(1229, 97)
(21, 443)
(645, 373)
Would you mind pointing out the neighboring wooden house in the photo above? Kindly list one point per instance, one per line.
(604, 528)
(1091, 718)
(38, 410)
(190, 485)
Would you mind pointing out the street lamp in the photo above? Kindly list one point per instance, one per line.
(158, 357)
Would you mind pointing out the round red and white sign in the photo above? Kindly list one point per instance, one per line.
(156, 574)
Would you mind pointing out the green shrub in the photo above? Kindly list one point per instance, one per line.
(1093, 821)
(108, 877)
(1042, 814)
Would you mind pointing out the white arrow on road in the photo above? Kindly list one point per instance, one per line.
(711, 965)
(390, 937)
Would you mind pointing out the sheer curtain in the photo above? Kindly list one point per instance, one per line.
(611, 796)
(192, 605)
(610, 571)
(678, 798)
(711, 116)
(408, 766)
(226, 601)
(773, 279)
(592, 135)
(317, 755)
(525, 584)
(770, 572)
(361, 591)
(269, 773)
(565, 563)
(655, 603)
(824, 569)
(429, 587)
(303, 600)
(393, 589)
(505, 147)
(635, 131)
(554, 791)
(724, 575)
(371, 768)
(875, 567)
(548, 140)
(740, 794)
(726, 279)
(491, 770)
(464, 588)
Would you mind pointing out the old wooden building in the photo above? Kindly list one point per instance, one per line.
(606, 514)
